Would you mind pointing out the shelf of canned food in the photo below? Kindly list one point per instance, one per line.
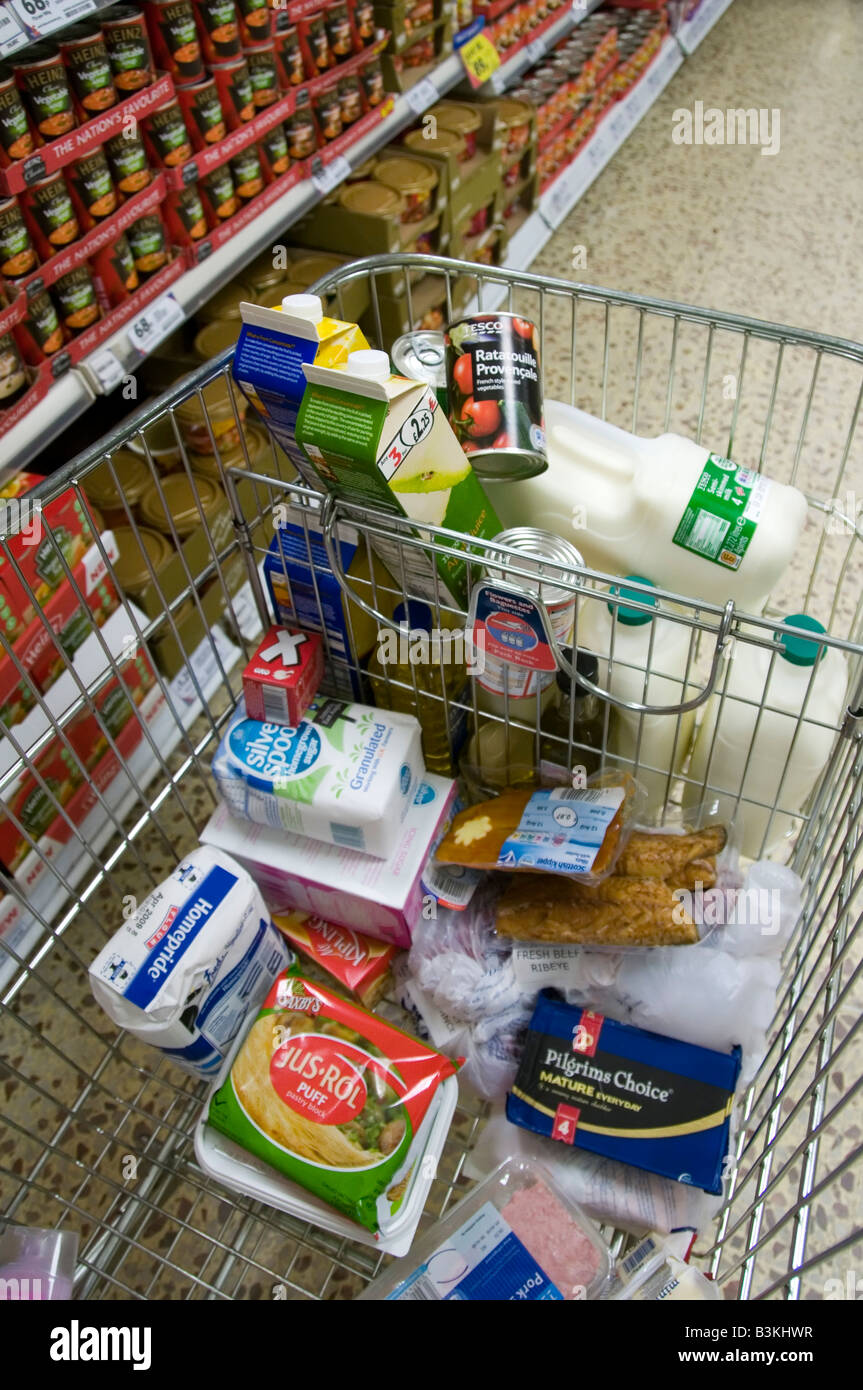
(112, 249)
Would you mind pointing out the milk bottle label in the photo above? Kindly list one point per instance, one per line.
(723, 512)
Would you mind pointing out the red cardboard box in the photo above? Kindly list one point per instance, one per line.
(283, 676)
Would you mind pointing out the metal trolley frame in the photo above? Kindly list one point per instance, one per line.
(97, 1128)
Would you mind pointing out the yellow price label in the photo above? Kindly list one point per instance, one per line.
(480, 58)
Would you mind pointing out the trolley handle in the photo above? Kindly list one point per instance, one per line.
(328, 527)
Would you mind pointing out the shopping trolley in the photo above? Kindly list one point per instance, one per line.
(97, 1132)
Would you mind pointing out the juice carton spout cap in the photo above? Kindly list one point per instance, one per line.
(370, 364)
(303, 306)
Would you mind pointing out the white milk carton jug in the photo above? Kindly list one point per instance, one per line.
(642, 641)
(699, 524)
(767, 759)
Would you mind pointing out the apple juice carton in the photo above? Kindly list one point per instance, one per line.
(273, 347)
(382, 440)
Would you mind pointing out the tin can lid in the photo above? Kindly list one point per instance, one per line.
(307, 269)
(447, 142)
(371, 198)
(218, 401)
(213, 338)
(421, 355)
(132, 480)
(226, 303)
(181, 503)
(161, 440)
(131, 568)
(261, 274)
(272, 298)
(406, 175)
(457, 116)
(510, 113)
(540, 553)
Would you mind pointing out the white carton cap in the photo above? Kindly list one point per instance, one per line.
(368, 363)
(304, 306)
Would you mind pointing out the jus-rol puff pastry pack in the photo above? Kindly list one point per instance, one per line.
(624, 1093)
(332, 1097)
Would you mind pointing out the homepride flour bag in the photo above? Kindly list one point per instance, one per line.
(196, 957)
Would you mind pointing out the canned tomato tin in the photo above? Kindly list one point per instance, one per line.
(93, 191)
(218, 195)
(185, 215)
(218, 29)
(47, 206)
(86, 58)
(329, 113)
(254, 21)
(338, 26)
(350, 99)
(175, 39)
(247, 174)
(555, 563)
(18, 255)
(372, 78)
(302, 137)
(40, 333)
(16, 141)
(261, 63)
(166, 138)
(75, 297)
(127, 41)
(273, 149)
(14, 377)
(114, 271)
(421, 356)
(289, 57)
(127, 160)
(203, 114)
(234, 86)
(494, 381)
(45, 88)
(149, 244)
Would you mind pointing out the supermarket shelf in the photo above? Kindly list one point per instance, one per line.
(515, 67)
(23, 22)
(692, 31)
(68, 398)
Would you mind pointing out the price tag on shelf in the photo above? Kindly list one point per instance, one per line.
(420, 97)
(107, 369)
(480, 58)
(44, 16)
(154, 324)
(331, 175)
(534, 51)
(12, 36)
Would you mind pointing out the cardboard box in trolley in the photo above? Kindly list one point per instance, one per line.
(383, 441)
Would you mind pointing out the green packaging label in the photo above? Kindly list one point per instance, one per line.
(723, 512)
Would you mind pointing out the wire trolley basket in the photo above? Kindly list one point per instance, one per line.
(99, 806)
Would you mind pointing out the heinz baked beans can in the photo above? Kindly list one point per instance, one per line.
(16, 139)
(185, 215)
(127, 160)
(202, 112)
(40, 333)
(218, 29)
(45, 88)
(49, 211)
(166, 138)
(176, 46)
(92, 188)
(494, 386)
(128, 44)
(115, 273)
(236, 96)
(89, 67)
(18, 255)
(77, 302)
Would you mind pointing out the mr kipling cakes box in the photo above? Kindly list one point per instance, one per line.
(624, 1093)
(381, 440)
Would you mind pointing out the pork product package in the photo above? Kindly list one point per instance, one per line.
(346, 774)
(199, 953)
(333, 1097)
(627, 1094)
(514, 1238)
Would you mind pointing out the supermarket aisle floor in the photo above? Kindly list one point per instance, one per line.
(726, 226)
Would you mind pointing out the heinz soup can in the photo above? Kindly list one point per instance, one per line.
(494, 384)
